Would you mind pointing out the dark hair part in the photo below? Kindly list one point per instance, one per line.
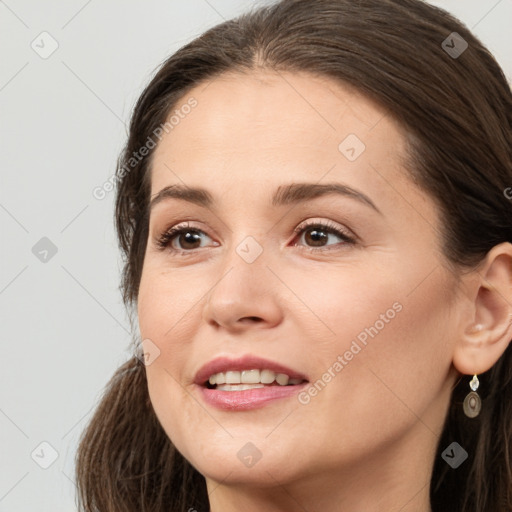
(456, 113)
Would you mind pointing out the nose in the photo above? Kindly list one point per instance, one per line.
(246, 295)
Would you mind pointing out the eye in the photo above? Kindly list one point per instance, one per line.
(318, 233)
(315, 233)
(188, 238)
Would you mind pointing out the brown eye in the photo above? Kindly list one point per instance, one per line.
(188, 239)
(317, 235)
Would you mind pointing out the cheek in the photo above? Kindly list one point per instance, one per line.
(402, 359)
(163, 335)
(386, 360)
(168, 309)
(168, 303)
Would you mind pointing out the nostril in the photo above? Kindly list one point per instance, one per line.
(253, 318)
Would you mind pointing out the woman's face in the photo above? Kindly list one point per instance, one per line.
(348, 290)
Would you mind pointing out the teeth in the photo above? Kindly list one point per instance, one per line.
(254, 376)
(282, 379)
(238, 387)
(250, 377)
(232, 377)
(267, 376)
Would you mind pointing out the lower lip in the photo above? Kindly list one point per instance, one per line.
(249, 398)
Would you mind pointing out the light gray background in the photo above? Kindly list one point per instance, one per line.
(64, 330)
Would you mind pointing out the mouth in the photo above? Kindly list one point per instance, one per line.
(248, 382)
(255, 378)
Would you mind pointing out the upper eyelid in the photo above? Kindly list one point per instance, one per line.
(306, 208)
(187, 224)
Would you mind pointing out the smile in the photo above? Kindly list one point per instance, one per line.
(246, 382)
(249, 379)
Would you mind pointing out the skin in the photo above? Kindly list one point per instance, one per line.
(367, 440)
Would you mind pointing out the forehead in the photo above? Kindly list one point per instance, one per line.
(249, 130)
(264, 114)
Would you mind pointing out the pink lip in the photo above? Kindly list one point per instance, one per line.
(249, 398)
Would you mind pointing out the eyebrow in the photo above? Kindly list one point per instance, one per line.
(284, 194)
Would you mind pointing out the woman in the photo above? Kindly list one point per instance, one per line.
(313, 207)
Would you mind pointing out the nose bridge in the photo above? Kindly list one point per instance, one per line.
(250, 250)
(245, 269)
(249, 241)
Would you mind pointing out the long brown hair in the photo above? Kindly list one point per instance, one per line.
(456, 108)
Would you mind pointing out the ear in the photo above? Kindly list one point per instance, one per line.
(487, 330)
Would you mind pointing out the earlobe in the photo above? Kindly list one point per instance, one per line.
(487, 333)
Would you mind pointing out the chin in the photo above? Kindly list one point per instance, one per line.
(239, 461)
(228, 472)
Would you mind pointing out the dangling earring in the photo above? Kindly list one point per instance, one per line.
(472, 403)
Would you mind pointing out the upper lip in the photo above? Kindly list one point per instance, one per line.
(247, 362)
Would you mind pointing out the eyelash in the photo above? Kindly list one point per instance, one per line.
(163, 241)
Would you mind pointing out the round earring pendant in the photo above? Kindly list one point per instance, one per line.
(472, 405)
